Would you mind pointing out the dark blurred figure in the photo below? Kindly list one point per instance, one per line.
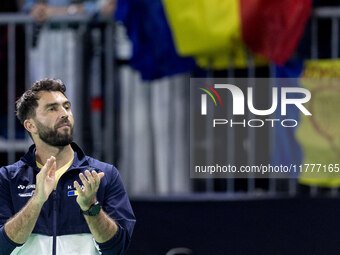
(10, 6)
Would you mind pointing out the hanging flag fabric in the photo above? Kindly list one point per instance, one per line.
(274, 28)
(286, 149)
(203, 25)
(319, 134)
(154, 53)
(208, 30)
(235, 56)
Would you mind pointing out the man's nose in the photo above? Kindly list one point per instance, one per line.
(64, 113)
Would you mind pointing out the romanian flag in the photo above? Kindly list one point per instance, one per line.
(168, 35)
(209, 30)
(213, 31)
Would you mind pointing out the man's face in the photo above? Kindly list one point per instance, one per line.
(54, 119)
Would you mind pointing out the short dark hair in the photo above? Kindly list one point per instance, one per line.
(28, 102)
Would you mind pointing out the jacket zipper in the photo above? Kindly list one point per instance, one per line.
(54, 215)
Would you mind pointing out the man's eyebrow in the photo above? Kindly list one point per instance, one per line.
(51, 105)
(56, 104)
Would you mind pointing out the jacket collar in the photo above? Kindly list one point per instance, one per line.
(79, 156)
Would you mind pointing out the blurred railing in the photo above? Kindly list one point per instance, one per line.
(94, 86)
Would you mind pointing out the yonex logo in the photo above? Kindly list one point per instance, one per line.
(30, 186)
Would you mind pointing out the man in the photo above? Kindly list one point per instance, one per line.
(56, 200)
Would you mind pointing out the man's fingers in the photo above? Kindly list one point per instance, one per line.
(84, 181)
(49, 163)
(101, 175)
(51, 172)
(78, 188)
(90, 179)
(96, 177)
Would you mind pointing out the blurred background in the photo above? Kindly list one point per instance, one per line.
(127, 65)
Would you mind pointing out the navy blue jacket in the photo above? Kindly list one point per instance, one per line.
(60, 215)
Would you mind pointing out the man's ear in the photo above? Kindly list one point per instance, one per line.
(30, 126)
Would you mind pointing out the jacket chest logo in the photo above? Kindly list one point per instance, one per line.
(30, 186)
(24, 191)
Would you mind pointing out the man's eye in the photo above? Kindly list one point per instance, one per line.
(51, 109)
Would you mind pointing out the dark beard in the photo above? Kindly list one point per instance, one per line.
(52, 137)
